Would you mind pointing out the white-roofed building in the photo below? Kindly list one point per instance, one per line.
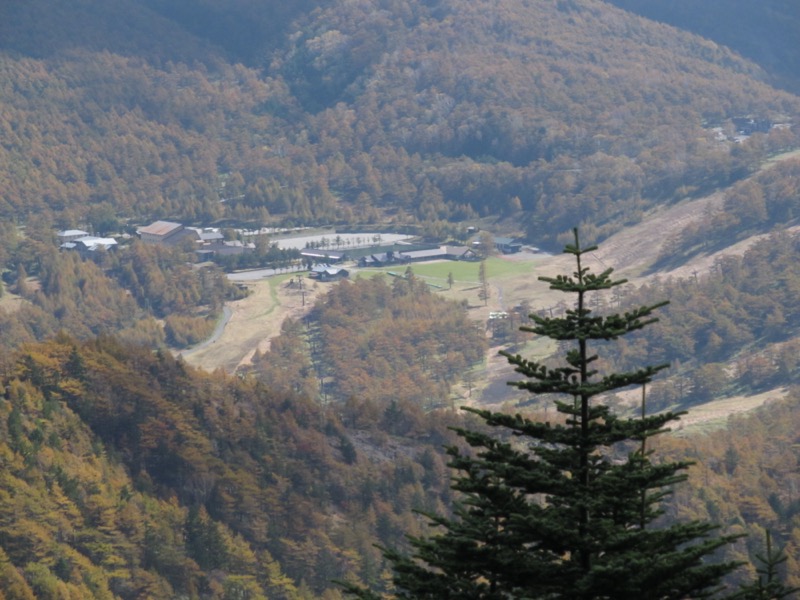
(90, 243)
(70, 235)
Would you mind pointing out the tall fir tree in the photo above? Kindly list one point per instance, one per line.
(564, 510)
(767, 584)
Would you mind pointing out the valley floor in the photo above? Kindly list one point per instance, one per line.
(252, 322)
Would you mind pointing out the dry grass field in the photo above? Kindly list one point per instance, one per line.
(253, 322)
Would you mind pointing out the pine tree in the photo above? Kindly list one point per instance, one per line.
(768, 585)
(564, 510)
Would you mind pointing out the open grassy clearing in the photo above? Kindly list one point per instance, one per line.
(511, 279)
(714, 415)
(464, 271)
(254, 321)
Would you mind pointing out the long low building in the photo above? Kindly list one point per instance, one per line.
(440, 253)
(90, 243)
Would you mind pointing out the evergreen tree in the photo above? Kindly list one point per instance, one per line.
(767, 585)
(564, 510)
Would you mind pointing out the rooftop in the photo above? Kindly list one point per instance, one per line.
(160, 228)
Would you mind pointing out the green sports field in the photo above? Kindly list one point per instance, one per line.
(463, 272)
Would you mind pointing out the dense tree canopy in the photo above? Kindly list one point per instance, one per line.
(368, 340)
(354, 111)
(126, 474)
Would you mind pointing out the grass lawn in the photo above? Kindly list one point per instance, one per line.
(463, 272)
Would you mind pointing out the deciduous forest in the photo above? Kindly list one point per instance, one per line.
(390, 111)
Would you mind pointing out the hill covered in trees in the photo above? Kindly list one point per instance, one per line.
(122, 468)
(388, 110)
(127, 474)
(742, 25)
(368, 342)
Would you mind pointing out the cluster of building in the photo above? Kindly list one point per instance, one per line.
(207, 242)
(83, 241)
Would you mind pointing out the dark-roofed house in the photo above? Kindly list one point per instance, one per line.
(328, 273)
(209, 236)
(380, 259)
(507, 245)
(460, 253)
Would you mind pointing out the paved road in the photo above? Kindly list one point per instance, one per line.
(257, 274)
(223, 321)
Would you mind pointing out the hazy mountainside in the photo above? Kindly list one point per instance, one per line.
(45, 29)
(765, 31)
(189, 31)
(385, 110)
(248, 30)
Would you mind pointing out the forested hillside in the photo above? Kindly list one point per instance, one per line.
(127, 474)
(745, 477)
(742, 25)
(370, 343)
(123, 292)
(730, 328)
(388, 110)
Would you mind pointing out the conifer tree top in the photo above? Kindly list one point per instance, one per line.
(564, 511)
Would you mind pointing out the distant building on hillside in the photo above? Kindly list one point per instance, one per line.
(166, 233)
(70, 235)
(90, 243)
(507, 245)
(750, 125)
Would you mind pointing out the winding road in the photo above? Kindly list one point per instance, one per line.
(215, 335)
